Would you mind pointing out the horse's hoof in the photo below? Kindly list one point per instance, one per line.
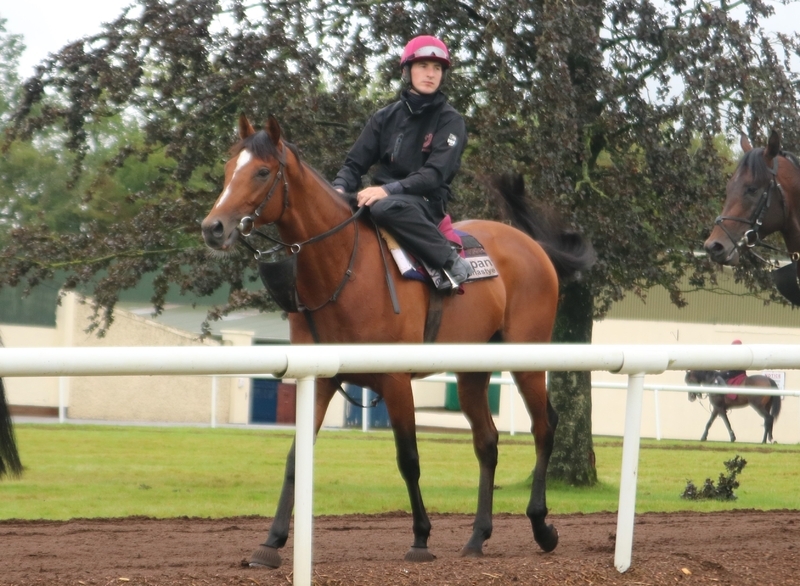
(549, 541)
(471, 552)
(265, 557)
(419, 554)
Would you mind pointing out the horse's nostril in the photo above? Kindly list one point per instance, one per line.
(217, 229)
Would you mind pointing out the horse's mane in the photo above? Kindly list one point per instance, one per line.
(568, 250)
(262, 147)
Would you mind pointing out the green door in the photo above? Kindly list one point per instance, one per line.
(451, 397)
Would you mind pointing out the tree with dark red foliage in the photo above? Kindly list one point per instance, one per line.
(614, 111)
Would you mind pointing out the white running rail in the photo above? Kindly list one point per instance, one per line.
(307, 362)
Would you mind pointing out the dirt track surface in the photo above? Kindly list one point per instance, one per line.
(733, 548)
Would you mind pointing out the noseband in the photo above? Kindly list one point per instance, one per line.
(751, 238)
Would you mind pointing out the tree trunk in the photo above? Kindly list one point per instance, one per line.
(573, 458)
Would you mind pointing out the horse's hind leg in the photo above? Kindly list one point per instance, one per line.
(769, 420)
(533, 388)
(267, 553)
(474, 400)
(396, 392)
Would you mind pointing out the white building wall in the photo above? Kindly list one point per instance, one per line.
(188, 399)
(35, 392)
(135, 398)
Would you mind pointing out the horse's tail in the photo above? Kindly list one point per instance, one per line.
(775, 404)
(570, 253)
(10, 464)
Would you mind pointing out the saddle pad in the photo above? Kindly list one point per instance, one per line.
(737, 380)
(472, 251)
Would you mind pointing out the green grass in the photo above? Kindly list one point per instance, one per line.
(100, 471)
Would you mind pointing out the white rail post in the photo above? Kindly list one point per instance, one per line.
(214, 383)
(658, 414)
(304, 480)
(512, 397)
(630, 466)
(364, 409)
(63, 384)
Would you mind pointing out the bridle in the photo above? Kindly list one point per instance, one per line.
(750, 238)
(246, 229)
(247, 223)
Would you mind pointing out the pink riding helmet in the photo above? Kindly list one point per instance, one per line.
(425, 47)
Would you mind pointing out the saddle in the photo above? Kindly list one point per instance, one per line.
(469, 246)
(735, 381)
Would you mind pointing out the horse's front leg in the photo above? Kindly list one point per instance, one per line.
(704, 437)
(724, 416)
(474, 400)
(267, 553)
(396, 391)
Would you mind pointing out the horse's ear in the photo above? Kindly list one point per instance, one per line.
(273, 130)
(774, 144)
(744, 142)
(245, 128)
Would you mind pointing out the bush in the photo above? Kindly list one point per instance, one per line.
(723, 491)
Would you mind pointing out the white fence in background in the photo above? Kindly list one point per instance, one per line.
(307, 362)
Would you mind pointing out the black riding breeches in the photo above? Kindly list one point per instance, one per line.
(413, 220)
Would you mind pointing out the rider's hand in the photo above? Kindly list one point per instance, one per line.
(368, 196)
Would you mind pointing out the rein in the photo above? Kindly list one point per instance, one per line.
(751, 238)
(298, 246)
(287, 275)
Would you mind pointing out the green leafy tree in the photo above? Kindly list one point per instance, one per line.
(612, 109)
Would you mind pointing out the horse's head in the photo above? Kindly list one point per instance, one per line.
(700, 377)
(748, 214)
(695, 378)
(255, 191)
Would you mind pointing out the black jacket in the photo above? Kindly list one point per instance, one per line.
(417, 152)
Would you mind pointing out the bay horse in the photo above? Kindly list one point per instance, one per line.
(762, 197)
(768, 406)
(10, 464)
(344, 295)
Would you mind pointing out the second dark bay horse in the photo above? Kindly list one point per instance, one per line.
(344, 297)
(768, 406)
(762, 197)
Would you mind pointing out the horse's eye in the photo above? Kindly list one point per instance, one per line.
(263, 173)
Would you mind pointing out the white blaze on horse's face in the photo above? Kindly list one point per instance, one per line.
(242, 160)
(219, 227)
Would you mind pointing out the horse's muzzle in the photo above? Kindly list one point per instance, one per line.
(724, 254)
(214, 235)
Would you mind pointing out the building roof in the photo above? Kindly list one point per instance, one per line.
(268, 328)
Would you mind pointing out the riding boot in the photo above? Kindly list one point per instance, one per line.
(455, 271)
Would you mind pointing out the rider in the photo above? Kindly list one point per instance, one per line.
(417, 144)
(734, 377)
